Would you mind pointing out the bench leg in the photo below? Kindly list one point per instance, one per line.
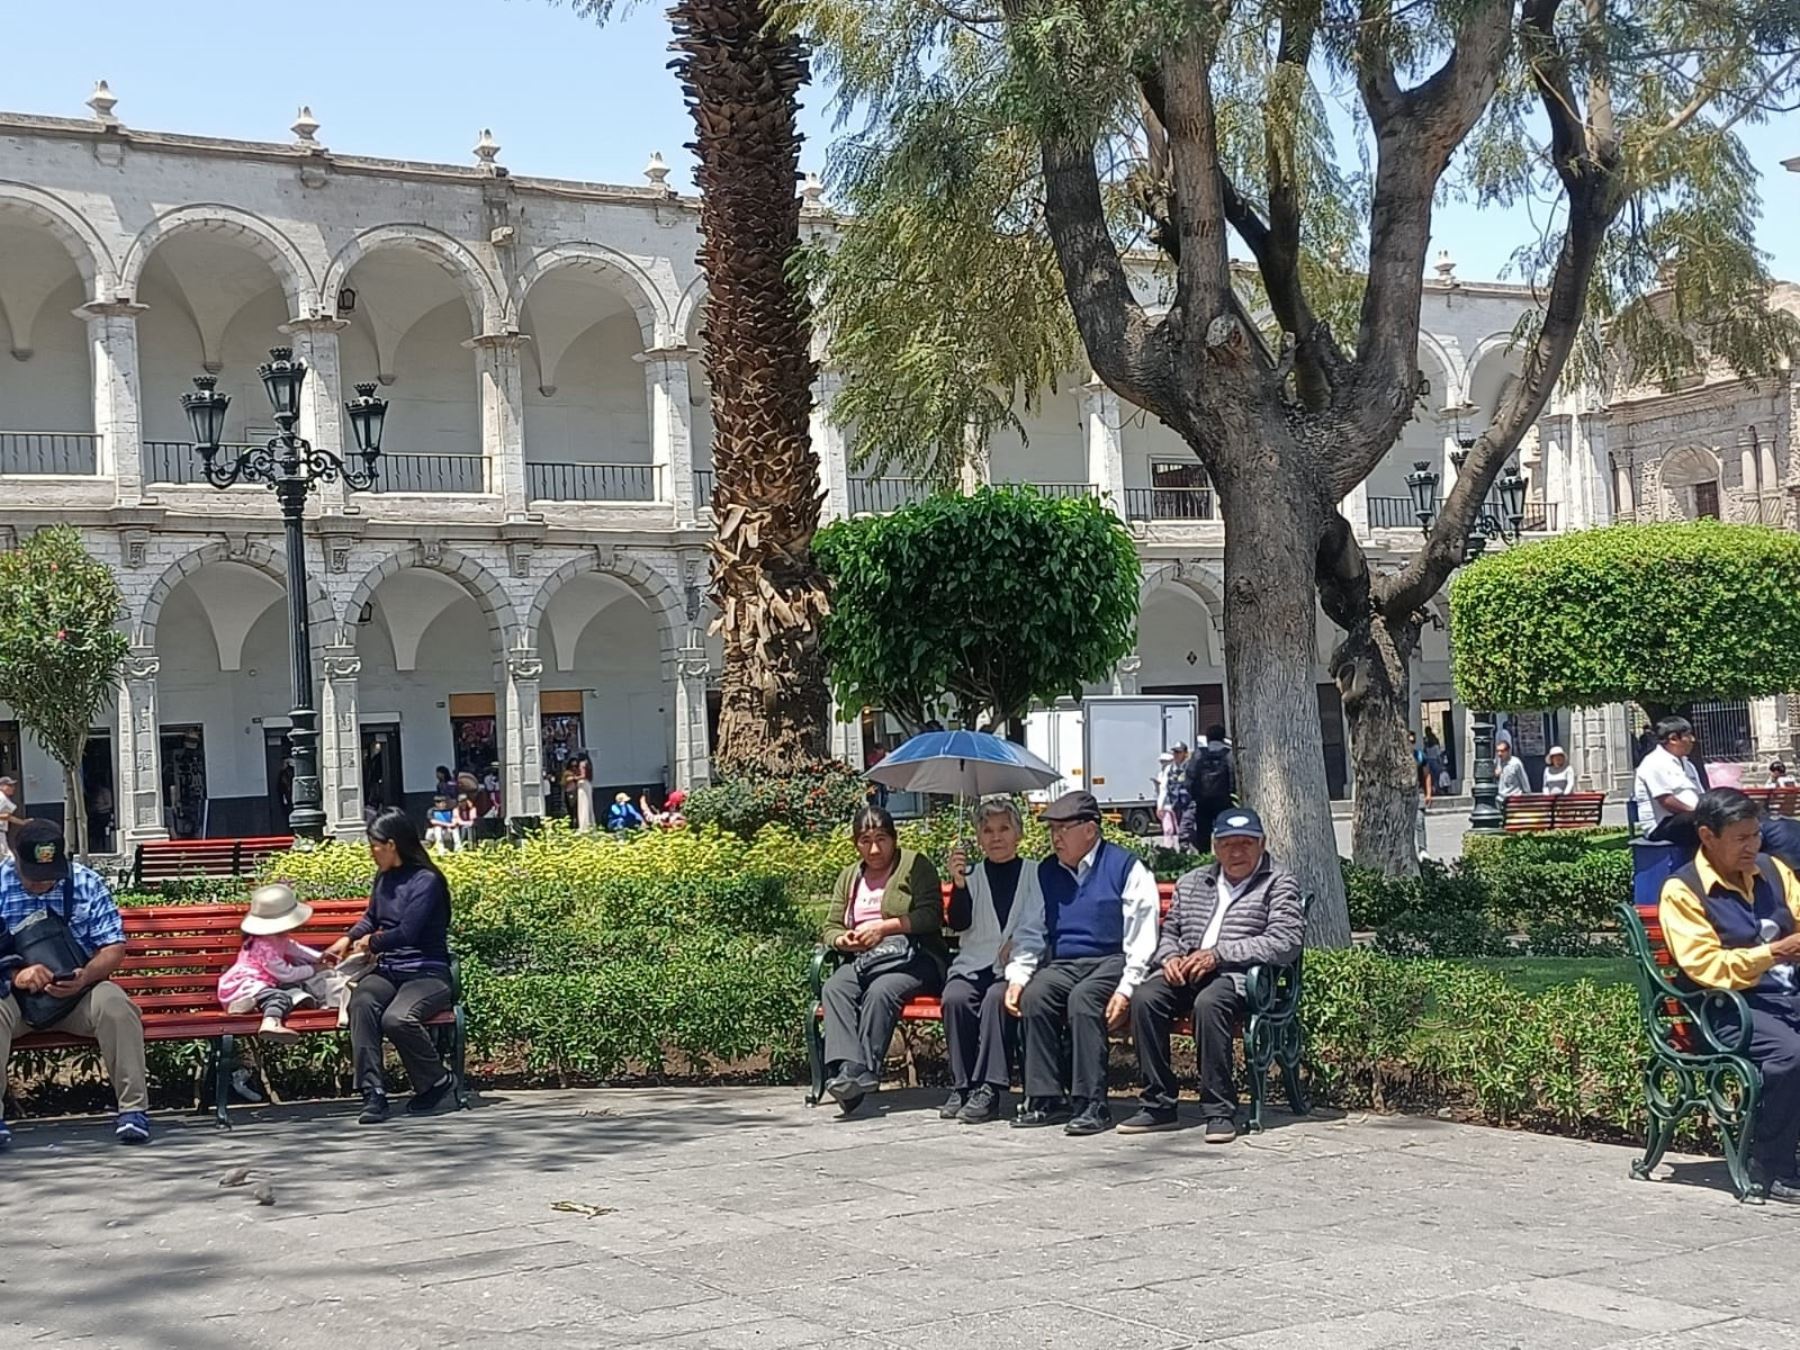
(459, 1057)
(224, 1052)
(815, 1055)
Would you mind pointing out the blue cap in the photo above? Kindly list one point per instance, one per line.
(1237, 822)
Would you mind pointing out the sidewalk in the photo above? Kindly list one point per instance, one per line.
(737, 1217)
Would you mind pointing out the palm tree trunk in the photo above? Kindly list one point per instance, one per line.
(742, 79)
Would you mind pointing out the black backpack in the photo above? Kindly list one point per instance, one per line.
(1210, 778)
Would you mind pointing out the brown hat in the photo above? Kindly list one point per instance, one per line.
(1073, 806)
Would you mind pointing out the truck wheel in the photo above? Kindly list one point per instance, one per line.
(1138, 821)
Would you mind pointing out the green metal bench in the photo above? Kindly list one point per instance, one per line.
(1273, 1033)
(1699, 1053)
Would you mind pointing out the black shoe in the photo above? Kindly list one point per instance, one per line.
(852, 1081)
(1092, 1118)
(1150, 1118)
(375, 1109)
(985, 1103)
(849, 1104)
(953, 1104)
(1041, 1111)
(1786, 1191)
(433, 1097)
(1221, 1130)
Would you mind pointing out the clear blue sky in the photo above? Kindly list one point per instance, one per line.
(418, 79)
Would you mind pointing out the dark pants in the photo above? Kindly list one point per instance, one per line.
(276, 1003)
(1775, 1046)
(1197, 823)
(397, 1007)
(861, 1012)
(982, 1037)
(1071, 993)
(1216, 1006)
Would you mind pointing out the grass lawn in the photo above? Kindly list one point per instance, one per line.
(1534, 974)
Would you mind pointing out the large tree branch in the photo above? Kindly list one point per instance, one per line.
(1203, 292)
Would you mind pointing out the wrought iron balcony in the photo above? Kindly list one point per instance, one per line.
(592, 482)
(460, 474)
(74, 454)
(1169, 503)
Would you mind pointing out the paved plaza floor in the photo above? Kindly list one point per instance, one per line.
(738, 1218)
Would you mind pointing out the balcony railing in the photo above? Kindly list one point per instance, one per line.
(465, 474)
(1392, 513)
(704, 480)
(1541, 517)
(591, 482)
(1169, 503)
(65, 453)
(877, 496)
(177, 462)
(1065, 489)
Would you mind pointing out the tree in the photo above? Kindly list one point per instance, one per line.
(1660, 615)
(60, 651)
(1063, 134)
(741, 78)
(977, 606)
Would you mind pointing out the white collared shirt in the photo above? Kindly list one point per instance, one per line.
(1142, 905)
(1227, 893)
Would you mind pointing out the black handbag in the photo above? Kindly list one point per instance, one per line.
(44, 938)
(893, 952)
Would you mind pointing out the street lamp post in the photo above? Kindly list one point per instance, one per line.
(1501, 520)
(290, 466)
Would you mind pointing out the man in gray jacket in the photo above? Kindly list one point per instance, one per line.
(1241, 911)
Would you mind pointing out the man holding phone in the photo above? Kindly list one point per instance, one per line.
(78, 998)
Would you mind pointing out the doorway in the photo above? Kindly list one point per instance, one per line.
(278, 778)
(184, 781)
(562, 737)
(383, 776)
(1437, 717)
(97, 790)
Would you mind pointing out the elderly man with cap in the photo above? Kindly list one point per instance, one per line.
(1080, 957)
(55, 911)
(1242, 910)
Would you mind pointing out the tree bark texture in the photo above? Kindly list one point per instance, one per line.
(1371, 670)
(741, 79)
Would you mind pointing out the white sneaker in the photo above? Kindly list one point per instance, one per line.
(243, 1086)
(274, 1029)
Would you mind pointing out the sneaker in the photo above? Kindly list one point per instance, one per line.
(953, 1104)
(274, 1029)
(1221, 1130)
(1041, 1111)
(244, 1085)
(1150, 1118)
(1787, 1191)
(985, 1103)
(133, 1127)
(375, 1108)
(433, 1097)
(1092, 1118)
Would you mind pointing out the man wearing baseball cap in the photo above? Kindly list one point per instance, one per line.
(39, 877)
(1242, 910)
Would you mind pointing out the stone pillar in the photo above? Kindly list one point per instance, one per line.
(1125, 673)
(340, 743)
(1591, 469)
(522, 735)
(1356, 509)
(1105, 445)
(118, 397)
(693, 753)
(671, 427)
(139, 796)
(1765, 730)
(828, 440)
(322, 407)
(503, 422)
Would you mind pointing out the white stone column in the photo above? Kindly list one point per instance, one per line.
(322, 404)
(503, 419)
(828, 440)
(693, 753)
(1356, 510)
(671, 427)
(846, 737)
(1105, 444)
(139, 797)
(1591, 467)
(118, 396)
(1765, 729)
(340, 742)
(522, 735)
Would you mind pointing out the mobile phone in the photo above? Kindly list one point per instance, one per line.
(63, 976)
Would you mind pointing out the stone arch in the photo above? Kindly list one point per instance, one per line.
(486, 308)
(639, 291)
(482, 586)
(1455, 379)
(1689, 466)
(267, 242)
(687, 311)
(247, 553)
(1485, 348)
(1199, 581)
(72, 230)
(642, 580)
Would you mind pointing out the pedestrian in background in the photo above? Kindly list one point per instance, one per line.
(1559, 774)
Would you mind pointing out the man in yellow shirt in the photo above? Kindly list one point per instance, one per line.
(1732, 921)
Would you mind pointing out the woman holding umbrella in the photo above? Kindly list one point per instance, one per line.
(887, 915)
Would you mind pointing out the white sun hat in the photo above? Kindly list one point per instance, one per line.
(275, 909)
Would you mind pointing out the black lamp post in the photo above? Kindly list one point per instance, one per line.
(290, 465)
(1501, 519)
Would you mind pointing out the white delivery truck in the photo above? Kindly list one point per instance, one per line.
(1110, 744)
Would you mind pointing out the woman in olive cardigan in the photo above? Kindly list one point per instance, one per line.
(887, 916)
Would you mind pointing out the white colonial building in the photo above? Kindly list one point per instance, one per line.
(529, 578)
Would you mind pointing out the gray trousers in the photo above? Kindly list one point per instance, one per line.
(381, 1007)
(861, 1013)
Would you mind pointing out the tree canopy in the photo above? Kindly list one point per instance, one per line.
(975, 606)
(1661, 615)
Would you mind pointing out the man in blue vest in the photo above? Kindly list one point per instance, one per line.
(1731, 919)
(1083, 955)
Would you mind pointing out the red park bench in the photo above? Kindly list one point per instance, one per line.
(174, 955)
(1530, 812)
(160, 860)
(1776, 801)
(1272, 1030)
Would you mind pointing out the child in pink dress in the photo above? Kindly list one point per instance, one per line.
(274, 973)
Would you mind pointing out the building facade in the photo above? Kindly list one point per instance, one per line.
(529, 578)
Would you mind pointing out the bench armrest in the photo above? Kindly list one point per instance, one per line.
(824, 961)
(1720, 1016)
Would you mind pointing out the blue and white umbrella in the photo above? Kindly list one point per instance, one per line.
(961, 763)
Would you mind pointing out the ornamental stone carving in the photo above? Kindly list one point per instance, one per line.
(141, 667)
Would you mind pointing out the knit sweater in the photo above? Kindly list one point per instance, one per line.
(408, 922)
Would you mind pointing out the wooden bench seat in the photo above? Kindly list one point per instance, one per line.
(160, 860)
(174, 955)
(1530, 812)
(1776, 801)
(1272, 1030)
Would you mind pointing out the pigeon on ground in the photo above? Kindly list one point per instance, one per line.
(237, 1176)
(263, 1193)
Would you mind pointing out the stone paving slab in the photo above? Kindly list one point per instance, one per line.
(739, 1218)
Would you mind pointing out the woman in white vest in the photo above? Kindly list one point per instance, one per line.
(987, 903)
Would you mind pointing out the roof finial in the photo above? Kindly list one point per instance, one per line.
(487, 150)
(305, 129)
(812, 191)
(1445, 266)
(657, 172)
(102, 101)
